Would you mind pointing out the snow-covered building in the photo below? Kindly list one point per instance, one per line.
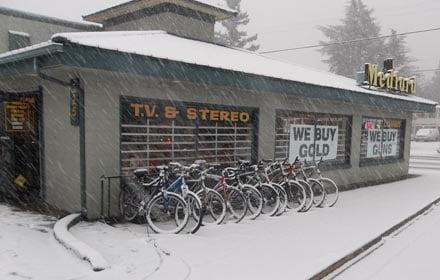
(106, 102)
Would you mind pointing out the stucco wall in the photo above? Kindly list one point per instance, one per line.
(171, 22)
(62, 160)
(102, 91)
(38, 31)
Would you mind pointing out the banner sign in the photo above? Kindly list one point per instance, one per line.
(311, 142)
(139, 110)
(382, 143)
(74, 106)
(16, 116)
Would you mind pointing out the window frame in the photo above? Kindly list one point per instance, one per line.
(326, 164)
(364, 161)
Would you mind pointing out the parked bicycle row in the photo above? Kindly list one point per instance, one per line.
(179, 197)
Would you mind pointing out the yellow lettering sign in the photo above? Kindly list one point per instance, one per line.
(389, 81)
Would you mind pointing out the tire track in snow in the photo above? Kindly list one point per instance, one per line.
(163, 254)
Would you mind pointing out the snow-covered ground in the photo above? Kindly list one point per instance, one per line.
(28, 249)
(293, 246)
(412, 254)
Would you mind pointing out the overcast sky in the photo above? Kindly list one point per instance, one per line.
(292, 23)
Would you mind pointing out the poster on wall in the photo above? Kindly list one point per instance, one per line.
(382, 143)
(16, 116)
(311, 142)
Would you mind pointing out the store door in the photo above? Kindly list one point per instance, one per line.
(19, 145)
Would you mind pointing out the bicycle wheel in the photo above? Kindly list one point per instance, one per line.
(296, 195)
(309, 195)
(195, 213)
(283, 199)
(254, 201)
(331, 190)
(214, 207)
(318, 192)
(129, 203)
(162, 210)
(237, 204)
(271, 199)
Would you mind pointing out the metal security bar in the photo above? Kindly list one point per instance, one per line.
(106, 195)
(147, 145)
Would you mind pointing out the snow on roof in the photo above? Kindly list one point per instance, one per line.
(24, 34)
(121, 8)
(24, 50)
(47, 17)
(219, 4)
(160, 44)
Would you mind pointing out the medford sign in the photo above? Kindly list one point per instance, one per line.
(389, 80)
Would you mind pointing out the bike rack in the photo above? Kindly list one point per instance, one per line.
(106, 183)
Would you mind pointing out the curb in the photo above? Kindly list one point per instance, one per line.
(82, 250)
(369, 245)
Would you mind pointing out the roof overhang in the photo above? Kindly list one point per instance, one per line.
(110, 60)
(138, 5)
(26, 61)
(43, 49)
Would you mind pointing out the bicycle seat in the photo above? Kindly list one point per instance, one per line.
(141, 172)
(200, 162)
(244, 162)
(162, 167)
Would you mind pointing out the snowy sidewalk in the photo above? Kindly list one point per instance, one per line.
(293, 246)
(28, 249)
(412, 254)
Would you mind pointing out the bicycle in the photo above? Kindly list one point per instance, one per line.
(330, 187)
(213, 204)
(236, 202)
(165, 211)
(253, 196)
(296, 194)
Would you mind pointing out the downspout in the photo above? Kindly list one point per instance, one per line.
(74, 85)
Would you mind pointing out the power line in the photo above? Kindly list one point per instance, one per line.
(352, 41)
(427, 70)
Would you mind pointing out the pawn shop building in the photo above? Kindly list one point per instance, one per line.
(82, 105)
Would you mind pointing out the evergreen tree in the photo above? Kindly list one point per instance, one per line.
(397, 50)
(346, 59)
(234, 35)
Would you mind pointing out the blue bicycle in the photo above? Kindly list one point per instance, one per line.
(165, 210)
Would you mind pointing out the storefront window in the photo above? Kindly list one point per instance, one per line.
(155, 132)
(313, 136)
(382, 139)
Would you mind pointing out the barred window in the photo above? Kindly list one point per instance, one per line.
(382, 139)
(313, 136)
(155, 132)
